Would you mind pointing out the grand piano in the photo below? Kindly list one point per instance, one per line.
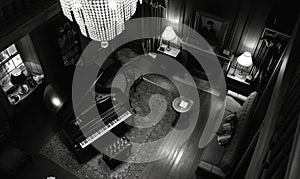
(88, 133)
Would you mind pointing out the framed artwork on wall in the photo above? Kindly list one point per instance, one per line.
(212, 28)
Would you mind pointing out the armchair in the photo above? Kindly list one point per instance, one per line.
(218, 161)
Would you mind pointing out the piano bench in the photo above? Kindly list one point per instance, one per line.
(113, 162)
(119, 152)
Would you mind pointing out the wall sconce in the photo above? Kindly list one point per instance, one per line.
(169, 35)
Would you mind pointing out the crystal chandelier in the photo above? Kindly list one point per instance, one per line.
(100, 20)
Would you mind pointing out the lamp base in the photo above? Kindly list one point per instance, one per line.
(168, 46)
(233, 73)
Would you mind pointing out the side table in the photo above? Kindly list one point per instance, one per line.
(172, 52)
(238, 83)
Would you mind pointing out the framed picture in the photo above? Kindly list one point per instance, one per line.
(213, 29)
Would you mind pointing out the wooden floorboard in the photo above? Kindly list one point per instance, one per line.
(181, 162)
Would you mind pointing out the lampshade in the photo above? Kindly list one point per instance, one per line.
(17, 77)
(169, 34)
(101, 20)
(245, 59)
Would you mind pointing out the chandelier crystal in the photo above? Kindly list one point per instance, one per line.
(100, 20)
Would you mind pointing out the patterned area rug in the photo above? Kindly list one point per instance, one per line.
(153, 120)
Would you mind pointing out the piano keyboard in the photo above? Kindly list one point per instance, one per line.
(105, 129)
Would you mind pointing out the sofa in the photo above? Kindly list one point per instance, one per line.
(219, 161)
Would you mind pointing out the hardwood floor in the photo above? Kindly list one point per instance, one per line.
(181, 162)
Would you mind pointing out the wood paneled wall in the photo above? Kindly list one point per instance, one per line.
(44, 39)
(283, 16)
(27, 19)
(247, 18)
(254, 25)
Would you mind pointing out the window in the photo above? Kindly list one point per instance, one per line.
(9, 60)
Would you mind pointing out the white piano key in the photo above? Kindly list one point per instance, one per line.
(105, 129)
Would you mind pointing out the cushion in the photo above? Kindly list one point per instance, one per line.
(246, 110)
(228, 119)
(232, 106)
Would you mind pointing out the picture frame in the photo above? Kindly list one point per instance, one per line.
(220, 27)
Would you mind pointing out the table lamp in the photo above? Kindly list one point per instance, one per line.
(169, 35)
(245, 60)
(18, 78)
